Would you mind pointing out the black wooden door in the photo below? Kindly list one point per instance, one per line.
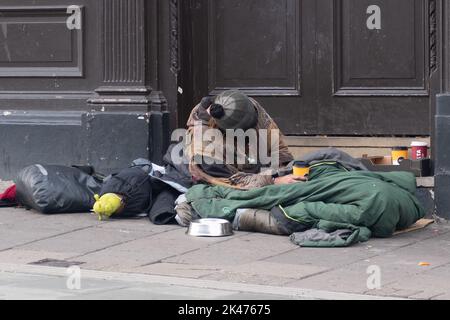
(335, 67)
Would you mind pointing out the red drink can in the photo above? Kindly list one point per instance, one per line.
(419, 150)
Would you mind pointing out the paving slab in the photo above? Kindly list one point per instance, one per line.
(431, 283)
(323, 257)
(289, 271)
(435, 251)
(146, 251)
(442, 297)
(350, 279)
(259, 297)
(41, 287)
(85, 241)
(19, 256)
(159, 292)
(49, 224)
(238, 250)
(20, 227)
(247, 278)
(256, 272)
(138, 224)
(62, 222)
(263, 272)
(177, 270)
(16, 215)
(339, 257)
(14, 238)
(401, 293)
(401, 263)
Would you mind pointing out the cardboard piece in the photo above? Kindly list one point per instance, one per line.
(420, 168)
(421, 224)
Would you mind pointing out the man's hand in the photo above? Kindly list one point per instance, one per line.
(289, 179)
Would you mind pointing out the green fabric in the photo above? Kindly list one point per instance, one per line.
(373, 203)
(358, 234)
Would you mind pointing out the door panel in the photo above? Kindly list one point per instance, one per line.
(269, 63)
(318, 66)
(36, 30)
(44, 64)
(261, 47)
(386, 61)
(380, 77)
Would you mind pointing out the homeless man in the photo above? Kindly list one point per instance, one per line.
(233, 113)
(232, 159)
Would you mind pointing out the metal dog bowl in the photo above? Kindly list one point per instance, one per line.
(210, 228)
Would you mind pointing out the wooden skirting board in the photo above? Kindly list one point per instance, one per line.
(355, 146)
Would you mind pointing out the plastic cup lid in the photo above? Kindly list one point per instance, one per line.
(300, 164)
(399, 148)
(419, 144)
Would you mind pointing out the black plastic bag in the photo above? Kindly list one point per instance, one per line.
(56, 189)
(134, 185)
(163, 209)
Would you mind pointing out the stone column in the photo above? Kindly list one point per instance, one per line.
(441, 147)
(123, 52)
(128, 111)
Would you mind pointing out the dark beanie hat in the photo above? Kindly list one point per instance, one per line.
(234, 110)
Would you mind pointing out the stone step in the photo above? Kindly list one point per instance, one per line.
(425, 182)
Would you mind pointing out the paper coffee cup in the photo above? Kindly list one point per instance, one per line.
(398, 154)
(419, 150)
(300, 169)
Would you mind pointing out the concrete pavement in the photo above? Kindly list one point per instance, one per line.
(45, 283)
(139, 247)
(246, 265)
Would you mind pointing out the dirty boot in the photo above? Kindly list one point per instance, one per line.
(256, 220)
(185, 214)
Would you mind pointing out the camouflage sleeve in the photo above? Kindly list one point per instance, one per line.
(251, 181)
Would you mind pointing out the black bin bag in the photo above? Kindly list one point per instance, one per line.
(134, 185)
(56, 189)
